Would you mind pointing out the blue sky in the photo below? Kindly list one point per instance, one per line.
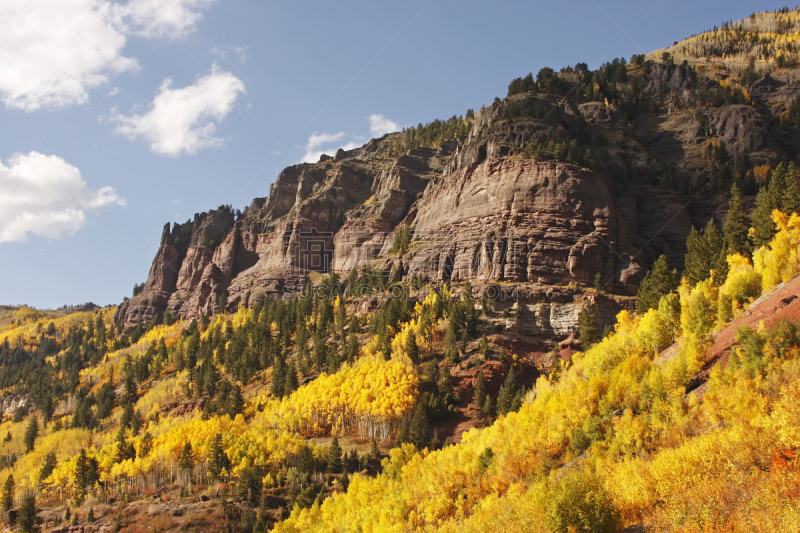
(119, 116)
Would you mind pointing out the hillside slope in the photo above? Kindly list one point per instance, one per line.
(437, 332)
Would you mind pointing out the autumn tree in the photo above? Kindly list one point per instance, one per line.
(579, 502)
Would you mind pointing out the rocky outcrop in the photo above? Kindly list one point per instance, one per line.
(477, 211)
(669, 77)
(739, 125)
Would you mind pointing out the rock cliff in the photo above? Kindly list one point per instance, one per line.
(478, 209)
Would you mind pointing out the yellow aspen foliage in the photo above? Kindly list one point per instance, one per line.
(742, 286)
(370, 398)
(778, 262)
(786, 415)
(699, 307)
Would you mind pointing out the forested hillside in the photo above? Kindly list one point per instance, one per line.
(556, 365)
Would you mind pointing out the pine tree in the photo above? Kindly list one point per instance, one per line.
(7, 496)
(659, 282)
(31, 433)
(505, 398)
(404, 432)
(791, 199)
(334, 457)
(26, 517)
(352, 460)
(278, 377)
(236, 400)
(412, 349)
(49, 465)
(705, 252)
(219, 459)
(121, 449)
(737, 225)
(420, 431)
(588, 332)
(374, 451)
(483, 345)
(768, 199)
(186, 459)
(479, 394)
(79, 479)
(488, 405)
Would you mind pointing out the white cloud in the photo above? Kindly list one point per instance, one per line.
(53, 52)
(158, 18)
(317, 140)
(379, 125)
(184, 120)
(46, 196)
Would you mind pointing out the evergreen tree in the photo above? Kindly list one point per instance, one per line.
(278, 377)
(186, 462)
(412, 349)
(186, 459)
(31, 433)
(218, 458)
(7, 496)
(507, 398)
(236, 400)
(420, 432)
(791, 199)
(588, 332)
(335, 457)
(374, 451)
(598, 282)
(479, 394)
(49, 465)
(736, 226)
(47, 408)
(404, 432)
(26, 517)
(483, 345)
(402, 240)
(767, 200)
(705, 252)
(352, 460)
(659, 282)
(79, 478)
(121, 449)
(488, 405)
